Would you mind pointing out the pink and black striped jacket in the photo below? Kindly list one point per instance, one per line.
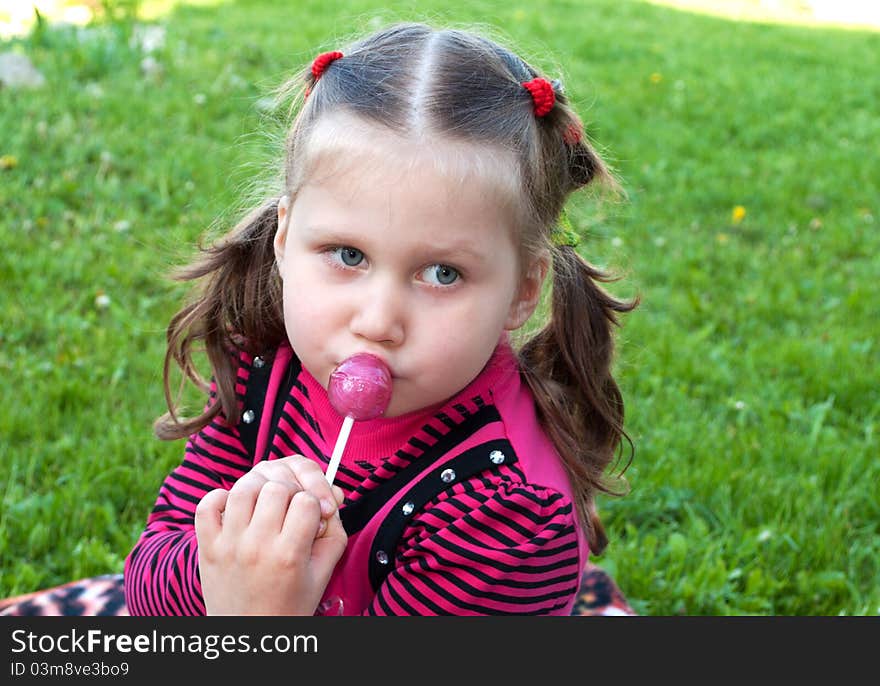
(465, 509)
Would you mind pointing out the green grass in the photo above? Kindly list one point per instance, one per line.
(750, 371)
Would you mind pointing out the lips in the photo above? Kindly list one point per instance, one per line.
(336, 363)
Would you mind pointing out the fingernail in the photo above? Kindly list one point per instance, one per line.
(322, 527)
(327, 507)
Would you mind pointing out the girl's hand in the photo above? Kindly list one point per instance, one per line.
(301, 474)
(264, 546)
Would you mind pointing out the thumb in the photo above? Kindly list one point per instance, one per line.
(329, 548)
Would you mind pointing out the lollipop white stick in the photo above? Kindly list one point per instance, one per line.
(339, 449)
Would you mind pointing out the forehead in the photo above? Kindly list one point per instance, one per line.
(342, 143)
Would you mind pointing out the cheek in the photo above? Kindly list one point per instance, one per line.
(474, 321)
(306, 304)
(456, 343)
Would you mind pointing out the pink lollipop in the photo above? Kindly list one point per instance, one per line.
(359, 389)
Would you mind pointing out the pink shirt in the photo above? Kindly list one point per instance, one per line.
(499, 537)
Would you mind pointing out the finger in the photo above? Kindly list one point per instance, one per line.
(329, 548)
(278, 470)
(301, 524)
(313, 480)
(338, 494)
(209, 515)
(271, 506)
(240, 504)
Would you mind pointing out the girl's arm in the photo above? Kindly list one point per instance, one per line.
(507, 548)
(161, 572)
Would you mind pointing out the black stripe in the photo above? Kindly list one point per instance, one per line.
(188, 592)
(288, 447)
(502, 518)
(417, 595)
(498, 536)
(390, 469)
(503, 566)
(432, 432)
(192, 465)
(182, 522)
(419, 444)
(447, 517)
(459, 505)
(198, 450)
(256, 385)
(237, 450)
(400, 601)
(284, 391)
(183, 496)
(458, 581)
(446, 419)
(492, 533)
(177, 478)
(296, 429)
(382, 603)
(542, 501)
(300, 410)
(480, 609)
(219, 425)
(405, 455)
(510, 583)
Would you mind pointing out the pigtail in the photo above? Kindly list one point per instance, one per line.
(567, 365)
(582, 164)
(237, 307)
(585, 166)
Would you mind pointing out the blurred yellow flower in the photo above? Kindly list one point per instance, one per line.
(656, 77)
(739, 213)
(8, 162)
(722, 238)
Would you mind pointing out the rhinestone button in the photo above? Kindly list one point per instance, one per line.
(408, 507)
(382, 557)
(496, 456)
(447, 475)
(248, 416)
(259, 362)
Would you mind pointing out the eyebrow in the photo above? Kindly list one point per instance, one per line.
(345, 236)
(457, 251)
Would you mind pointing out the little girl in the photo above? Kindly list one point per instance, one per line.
(424, 181)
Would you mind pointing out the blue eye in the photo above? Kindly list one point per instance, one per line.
(351, 257)
(441, 274)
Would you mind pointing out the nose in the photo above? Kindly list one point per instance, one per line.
(379, 316)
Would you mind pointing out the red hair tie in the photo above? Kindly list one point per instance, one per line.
(542, 94)
(573, 134)
(320, 64)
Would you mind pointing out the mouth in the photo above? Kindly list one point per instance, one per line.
(364, 353)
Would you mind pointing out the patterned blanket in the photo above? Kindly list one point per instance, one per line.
(104, 596)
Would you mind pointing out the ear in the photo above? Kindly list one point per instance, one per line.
(529, 294)
(281, 232)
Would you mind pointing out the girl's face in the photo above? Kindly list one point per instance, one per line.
(387, 254)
